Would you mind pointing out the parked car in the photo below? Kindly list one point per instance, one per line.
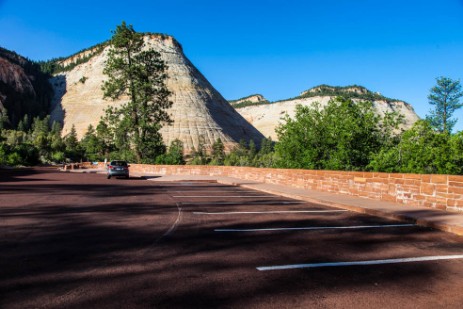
(118, 168)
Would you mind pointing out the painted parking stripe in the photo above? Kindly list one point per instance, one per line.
(243, 203)
(363, 263)
(265, 212)
(218, 191)
(227, 196)
(313, 228)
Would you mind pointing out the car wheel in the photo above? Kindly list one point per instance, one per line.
(109, 176)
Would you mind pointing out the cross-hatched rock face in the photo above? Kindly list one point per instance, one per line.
(200, 113)
(267, 117)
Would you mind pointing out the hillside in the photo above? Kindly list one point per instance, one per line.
(200, 114)
(255, 99)
(267, 116)
(24, 89)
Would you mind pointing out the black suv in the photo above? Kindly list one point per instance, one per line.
(118, 168)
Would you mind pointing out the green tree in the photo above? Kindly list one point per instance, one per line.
(266, 156)
(139, 73)
(199, 156)
(90, 144)
(240, 155)
(341, 136)
(24, 124)
(174, 155)
(4, 121)
(105, 138)
(421, 150)
(71, 143)
(39, 135)
(218, 153)
(445, 97)
(55, 139)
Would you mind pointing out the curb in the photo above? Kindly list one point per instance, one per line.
(449, 228)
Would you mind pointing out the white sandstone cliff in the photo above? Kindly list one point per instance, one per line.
(199, 112)
(266, 117)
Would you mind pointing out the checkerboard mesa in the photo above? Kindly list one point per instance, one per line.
(199, 112)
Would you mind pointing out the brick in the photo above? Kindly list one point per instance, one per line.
(439, 179)
(457, 190)
(397, 181)
(412, 176)
(455, 184)
(458, 203)
(381, 175)
(428, 204)
(440, 206)
(360, 179)
(388, 198)
(441, 188)
(455, 178)
(411, 182)
(426, 178)
(427, 189)
(379, 180)
(438, 200)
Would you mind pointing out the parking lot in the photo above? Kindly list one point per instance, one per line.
(73, 240)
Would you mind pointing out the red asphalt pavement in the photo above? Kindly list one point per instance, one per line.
(77, 240)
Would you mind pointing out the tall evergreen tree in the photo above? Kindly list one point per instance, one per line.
(91, 146)
(218, 152)
(139, 73)
(4, 121)
(445, 97)
(72, 144)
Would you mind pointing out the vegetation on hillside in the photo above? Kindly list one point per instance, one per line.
(243, 102)
(56, 65)
(18, 100)
(348, 92)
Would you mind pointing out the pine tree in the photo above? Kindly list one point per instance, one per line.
(92, 148)
(72, 144)
(139, 73)
(4, 121)
(218, 153)
(445, 97)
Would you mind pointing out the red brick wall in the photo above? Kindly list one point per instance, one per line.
(437, 191)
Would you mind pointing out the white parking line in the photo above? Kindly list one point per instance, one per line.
(362, 263)
(227, 196)
(265, 212)
(217, 191)
(312, 228)
(243, 203)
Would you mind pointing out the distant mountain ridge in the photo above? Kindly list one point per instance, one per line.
(254, 99)
(266, 116)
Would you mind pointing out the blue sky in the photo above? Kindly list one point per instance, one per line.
(276, 47)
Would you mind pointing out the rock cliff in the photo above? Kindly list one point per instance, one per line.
(23, 88)
(266, 117)
(199, 112)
